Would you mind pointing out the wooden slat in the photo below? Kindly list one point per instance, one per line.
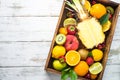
(30, 7)
(33, 28)
(23, 53)
(36, 73)
(35, 53)
(26, 73)
(27, 28)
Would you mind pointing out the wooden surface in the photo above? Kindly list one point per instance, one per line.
(26, 32)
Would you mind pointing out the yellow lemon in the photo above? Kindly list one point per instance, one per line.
(58, 51)
(106, 26)
(97, 54)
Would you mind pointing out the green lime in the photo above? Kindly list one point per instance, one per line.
(69, 21)
(96, 68)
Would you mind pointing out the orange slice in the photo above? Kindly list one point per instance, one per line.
(72, 57)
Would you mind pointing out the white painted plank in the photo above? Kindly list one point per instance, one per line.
(30, 7)
(112, 72)
(35, 53)
(23, 53)
(27, 28)
(22, 24)
(26, 73)
(33, 28)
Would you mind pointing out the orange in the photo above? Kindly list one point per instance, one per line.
(87, 5)
(93, 76)
(63, 30)
(72, 57)
(98, 10)
(82, 68)
(97, 54)
(58, 51)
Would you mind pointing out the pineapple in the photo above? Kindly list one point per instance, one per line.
(89, 29)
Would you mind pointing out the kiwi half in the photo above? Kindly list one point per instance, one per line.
(110, 9)
(60, 39)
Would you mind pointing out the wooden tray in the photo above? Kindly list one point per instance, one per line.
(109, 37)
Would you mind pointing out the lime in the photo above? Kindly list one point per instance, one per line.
(58, 65)
(106, 26)
(96, 68)
(69, 21)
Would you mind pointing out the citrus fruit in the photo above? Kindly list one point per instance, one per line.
(82, 68)
(106, 26)
(60, 39)
(96, 68)
(58, 51)
(93, 76)
(98, 10)
(69, 21)
(87, 5)
(58, 65)
(63, 30)
(72, 57)
(97, 54)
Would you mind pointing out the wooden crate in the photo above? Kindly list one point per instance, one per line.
(109, 37)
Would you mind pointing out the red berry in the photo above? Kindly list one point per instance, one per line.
(89, 60)
(88, 76)
(110, 16)
(93, 2)
(99, 46)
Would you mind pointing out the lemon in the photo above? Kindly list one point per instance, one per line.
(97, 54)
(69, 21)
(96, 68)
(106, 26)
(87, 5)
(58, 51)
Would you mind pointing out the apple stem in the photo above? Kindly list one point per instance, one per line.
(62, 60)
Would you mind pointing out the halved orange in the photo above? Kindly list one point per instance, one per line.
(72, 57)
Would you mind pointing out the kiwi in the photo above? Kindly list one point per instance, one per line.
(110, 9)
(60, 39)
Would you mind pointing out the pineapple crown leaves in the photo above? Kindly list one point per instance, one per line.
(77, 6)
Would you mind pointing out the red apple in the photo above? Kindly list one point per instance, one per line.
(71, 30)
(89, 60)
(71, 43)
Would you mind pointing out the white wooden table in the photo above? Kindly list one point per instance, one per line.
(26, 32)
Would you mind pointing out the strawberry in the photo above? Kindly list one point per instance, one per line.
(89, 60)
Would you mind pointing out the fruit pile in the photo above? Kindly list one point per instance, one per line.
(69, 54)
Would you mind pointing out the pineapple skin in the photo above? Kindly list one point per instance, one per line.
(90, 33)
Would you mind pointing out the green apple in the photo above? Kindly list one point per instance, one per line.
(58, 65)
